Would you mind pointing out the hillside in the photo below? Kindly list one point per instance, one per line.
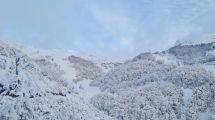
(38, 89)
(176, 84)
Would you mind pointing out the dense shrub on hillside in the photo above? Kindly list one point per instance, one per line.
(133, 74)
(144, 56)
(189, 76)
(139, 90)
(51, 70)
(203, 100)
(85, 69)
(191, 54)
(154, 101)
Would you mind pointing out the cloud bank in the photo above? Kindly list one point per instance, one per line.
(105, 27)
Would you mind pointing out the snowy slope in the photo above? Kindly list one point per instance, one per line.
(28, 93)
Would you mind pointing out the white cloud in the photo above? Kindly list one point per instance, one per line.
(121, 27)
(115, 24)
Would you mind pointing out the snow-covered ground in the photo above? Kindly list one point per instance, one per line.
(205, 115)
(87, 91)
(210, 67)
(187, 95)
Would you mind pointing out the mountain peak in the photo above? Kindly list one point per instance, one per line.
(203, 39)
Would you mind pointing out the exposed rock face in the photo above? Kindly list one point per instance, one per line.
(144, 56)
(191, 54)
(85, 69)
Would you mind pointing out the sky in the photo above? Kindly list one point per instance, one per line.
(116, 28)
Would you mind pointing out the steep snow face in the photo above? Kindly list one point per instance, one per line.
(30, 92)
(72, 72)
(60, 57)
(75, 65)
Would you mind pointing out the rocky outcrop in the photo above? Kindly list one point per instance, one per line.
(191, 54)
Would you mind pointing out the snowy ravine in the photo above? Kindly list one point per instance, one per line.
(176, 84)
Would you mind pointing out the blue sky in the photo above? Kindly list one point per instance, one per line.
(117, 28)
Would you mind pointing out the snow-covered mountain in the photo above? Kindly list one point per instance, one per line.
(176, 84)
